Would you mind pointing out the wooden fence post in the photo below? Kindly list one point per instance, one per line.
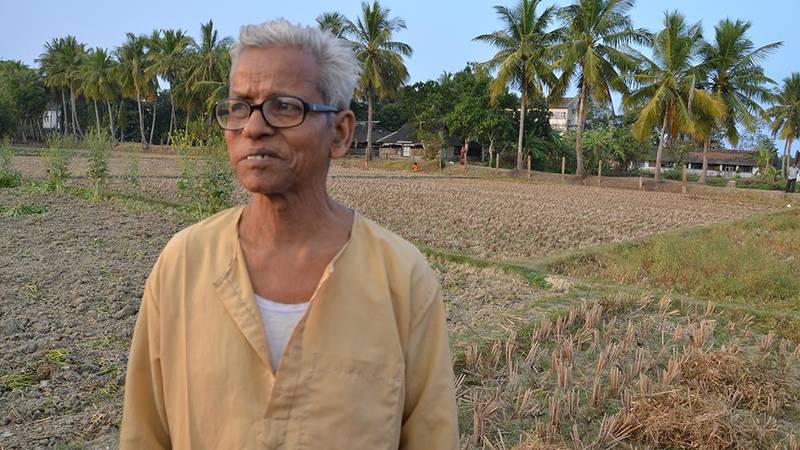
(685, 176)
(641, 183)
(563, 167)
(497, 161)
(599, 170)
(529, 166)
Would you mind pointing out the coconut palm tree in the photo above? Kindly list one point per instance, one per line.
(97, 81)
(525, 57)
(61, 63)
(668, 85)
(334, 22)
(168, 51)
(733, 65)
(208, 67)
(383, 69)
(132, 57)
(785, 115)
(593, 53)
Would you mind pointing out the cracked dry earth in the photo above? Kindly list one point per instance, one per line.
(71, 279)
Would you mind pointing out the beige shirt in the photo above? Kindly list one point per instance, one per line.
(367, 367)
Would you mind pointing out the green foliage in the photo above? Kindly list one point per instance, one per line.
(62, 141)
(614, 145)
(131, 177)
(17, 381)
(9, 177)
(525, 55)
(381, 57)
(22, 209)
(23, 96)
(57, 356)
(206, 179)
(56, 164)
(99, 143)
(433, 143)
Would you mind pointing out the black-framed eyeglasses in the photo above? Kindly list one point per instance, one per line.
(281, 111)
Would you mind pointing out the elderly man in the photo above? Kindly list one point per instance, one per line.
(293, 322)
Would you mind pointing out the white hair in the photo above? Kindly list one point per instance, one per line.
(339, 70)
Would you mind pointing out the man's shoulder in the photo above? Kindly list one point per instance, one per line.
(390, 243)
(214, 233)
(401, 260)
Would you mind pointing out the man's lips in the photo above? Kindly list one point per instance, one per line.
(260, 155)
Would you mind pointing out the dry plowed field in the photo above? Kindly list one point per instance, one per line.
(496, 219)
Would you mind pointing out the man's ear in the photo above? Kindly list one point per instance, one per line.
(345, 126)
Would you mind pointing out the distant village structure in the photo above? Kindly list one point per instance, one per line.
(725, 163)
(564, 114)
(404, 143)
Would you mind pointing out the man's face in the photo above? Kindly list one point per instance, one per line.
(294, 156)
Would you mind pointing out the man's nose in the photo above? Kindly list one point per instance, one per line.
(256, 126)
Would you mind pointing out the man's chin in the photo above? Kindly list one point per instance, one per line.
(266, 187)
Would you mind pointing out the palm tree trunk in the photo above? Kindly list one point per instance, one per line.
(706, 144)
(145, 144)
(153, 122)
(368, 149)
(76, 125)
(64, 119)
(97, 115)
(579, 136)
(110, 119)
(120, 121)
(521, 129)
(172, 109)
(785, 160)
(661, 147)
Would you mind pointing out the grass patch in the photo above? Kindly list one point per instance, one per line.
(534, 278)
(57, 356)
(23, 209)
(753, 261)
(98, 343)
(33, 292)
(17, 381)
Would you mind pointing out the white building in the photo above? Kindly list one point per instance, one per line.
(51, 119)
(721, 162)
(564, 114)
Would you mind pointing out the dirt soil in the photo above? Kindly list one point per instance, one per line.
(70, 284)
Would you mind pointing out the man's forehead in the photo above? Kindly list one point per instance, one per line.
(274, 67)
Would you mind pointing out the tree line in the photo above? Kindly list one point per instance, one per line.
(678, 87)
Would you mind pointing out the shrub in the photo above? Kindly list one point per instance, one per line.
(56, 140)
(206, 179)
(56, 164)
(99, 143)
(677, 174)
(131, 177)
(8, 176)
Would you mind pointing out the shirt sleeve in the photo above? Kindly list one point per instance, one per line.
(144, 419)
(430, 419)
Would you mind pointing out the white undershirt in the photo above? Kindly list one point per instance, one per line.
(279, 320)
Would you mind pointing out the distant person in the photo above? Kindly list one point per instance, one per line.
(791, 178)
(292, 322)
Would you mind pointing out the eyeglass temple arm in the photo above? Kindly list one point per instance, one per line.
(316, 107)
